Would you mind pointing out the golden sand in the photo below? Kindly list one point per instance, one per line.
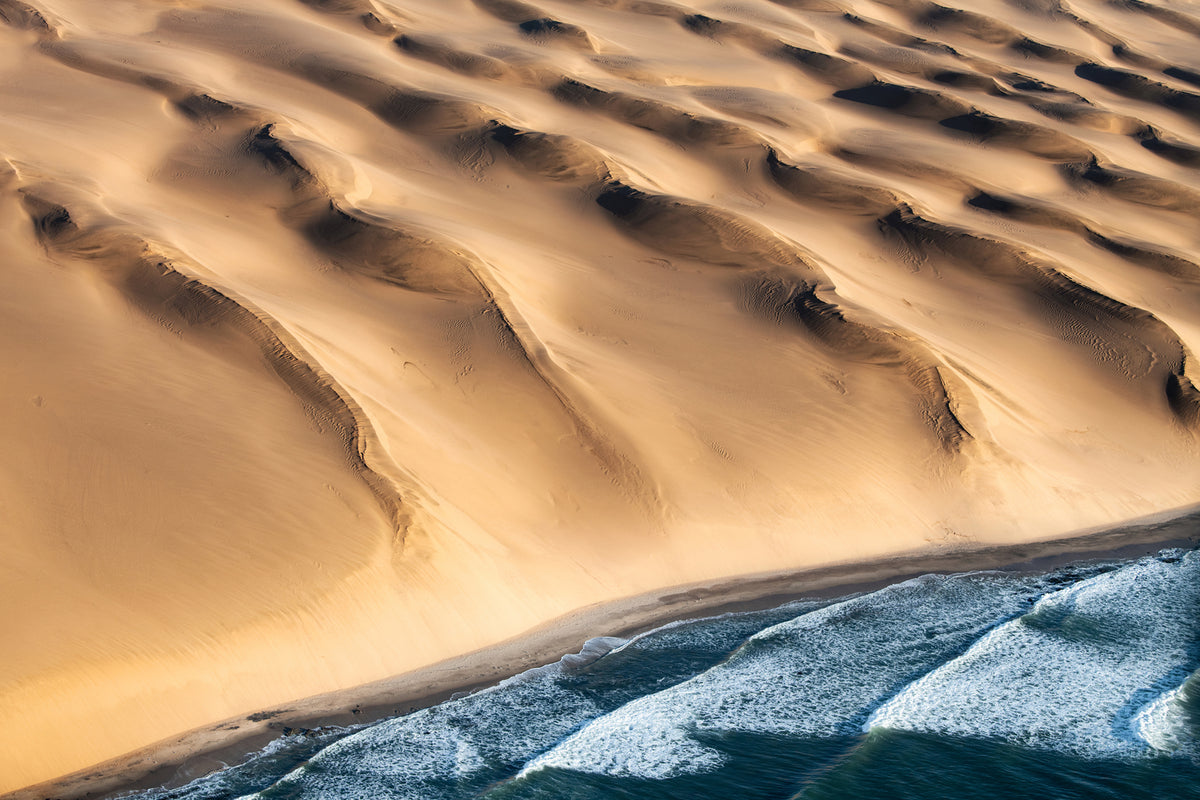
(344, 337)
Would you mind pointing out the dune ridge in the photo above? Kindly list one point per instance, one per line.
(178, 298)
(345, 337)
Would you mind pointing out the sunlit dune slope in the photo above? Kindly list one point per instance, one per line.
(343, 336)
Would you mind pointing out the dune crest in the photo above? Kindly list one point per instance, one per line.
(346, 336)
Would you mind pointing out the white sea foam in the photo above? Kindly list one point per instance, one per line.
(816, 675)
(1095, 669)
(1164, 725)
(1079, 673)
(414, 755)
(713, 633)
(508, 723)
(219, 785)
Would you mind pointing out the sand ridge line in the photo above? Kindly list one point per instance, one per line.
(181, 299)
(1003, 262)
(419, 263)
(631, 294)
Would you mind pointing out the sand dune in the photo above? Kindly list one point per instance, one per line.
(346, 336)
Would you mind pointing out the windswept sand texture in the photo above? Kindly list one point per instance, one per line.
(344, 336)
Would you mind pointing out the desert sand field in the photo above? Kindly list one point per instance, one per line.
(341, 337)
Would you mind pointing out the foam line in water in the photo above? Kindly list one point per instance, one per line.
(1166, 724)
(491, 733)
(488, 735)
(256, 770)
(1090, 670)
(658, 705)
(819, 674)
(420, 754)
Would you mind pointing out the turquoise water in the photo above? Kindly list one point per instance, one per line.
(1082, 682)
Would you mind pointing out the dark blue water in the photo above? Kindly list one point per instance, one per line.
(1083, 682)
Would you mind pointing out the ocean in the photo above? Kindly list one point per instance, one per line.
(1079, 682)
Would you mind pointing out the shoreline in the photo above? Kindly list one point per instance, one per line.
(183, 758)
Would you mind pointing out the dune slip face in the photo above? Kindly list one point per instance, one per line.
(342, 337)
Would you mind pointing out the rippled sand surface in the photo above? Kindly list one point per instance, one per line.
(343, 336)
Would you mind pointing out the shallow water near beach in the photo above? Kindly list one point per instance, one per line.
(1081, 682)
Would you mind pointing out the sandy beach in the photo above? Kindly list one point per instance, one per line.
(177, 760)
(349, 339)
